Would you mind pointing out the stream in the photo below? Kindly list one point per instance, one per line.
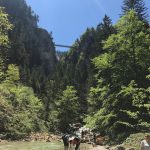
(36, 146)
(31, 146)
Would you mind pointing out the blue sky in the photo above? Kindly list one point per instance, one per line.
(68, 19)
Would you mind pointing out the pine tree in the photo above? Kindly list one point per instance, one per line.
(105, 27)
(68, 107)
(122, 104)
(5, 27)
(138, 6)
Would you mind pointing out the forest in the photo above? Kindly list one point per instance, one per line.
(102, 82)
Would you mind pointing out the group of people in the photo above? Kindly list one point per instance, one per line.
(75, 140)
(70, 141)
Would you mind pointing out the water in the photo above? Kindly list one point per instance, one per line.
(36, 146)
(31, 146)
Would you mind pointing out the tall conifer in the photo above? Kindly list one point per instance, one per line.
(138, 6)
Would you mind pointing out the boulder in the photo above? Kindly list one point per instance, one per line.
(100, 140)
(119, 147)
(107, 147)
(131, 148)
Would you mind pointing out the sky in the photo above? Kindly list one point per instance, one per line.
(69, 19)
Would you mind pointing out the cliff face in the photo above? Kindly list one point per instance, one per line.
(30, 46)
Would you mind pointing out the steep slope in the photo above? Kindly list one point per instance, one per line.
(32, 48)
(77, 65)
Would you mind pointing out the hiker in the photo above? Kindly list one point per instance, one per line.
(71, 142)
(145, 144)
(75, 141)
(94, 138)
(65, 139)
(82, 134)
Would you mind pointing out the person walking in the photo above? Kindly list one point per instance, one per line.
(65, 139)
(77, 141)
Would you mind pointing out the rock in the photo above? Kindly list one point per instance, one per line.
(93, 144)
(119, 147)
(59, 140)
(107, 147)
(3, 141)
(100, 140)
(42, 137)
(131, 148)
(89, 142)
(48, 140)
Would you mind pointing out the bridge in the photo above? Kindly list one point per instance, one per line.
(65, 46)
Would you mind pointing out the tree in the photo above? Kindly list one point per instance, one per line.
(129, 47)
(105, 28)
(77, 68)
(12, 74)
(96, 97)
(123, 103)
(68, 108)
(50, 95)
(5, 26)
(31, 48)
(138, 6)
(20, 108)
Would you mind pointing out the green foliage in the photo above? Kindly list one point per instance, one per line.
(104, 61)
(76, 66)
(138, 6)
(2, 74)
(123, 104)
(127, 48)
(96, 97)
(50, 96)
(32, 49)
(92, 121)
(12, 74)
(19, 106)
(114, 94)
(134, 140)
(5, 26)
(68, 108)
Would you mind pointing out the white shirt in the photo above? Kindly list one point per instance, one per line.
(145, 145)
